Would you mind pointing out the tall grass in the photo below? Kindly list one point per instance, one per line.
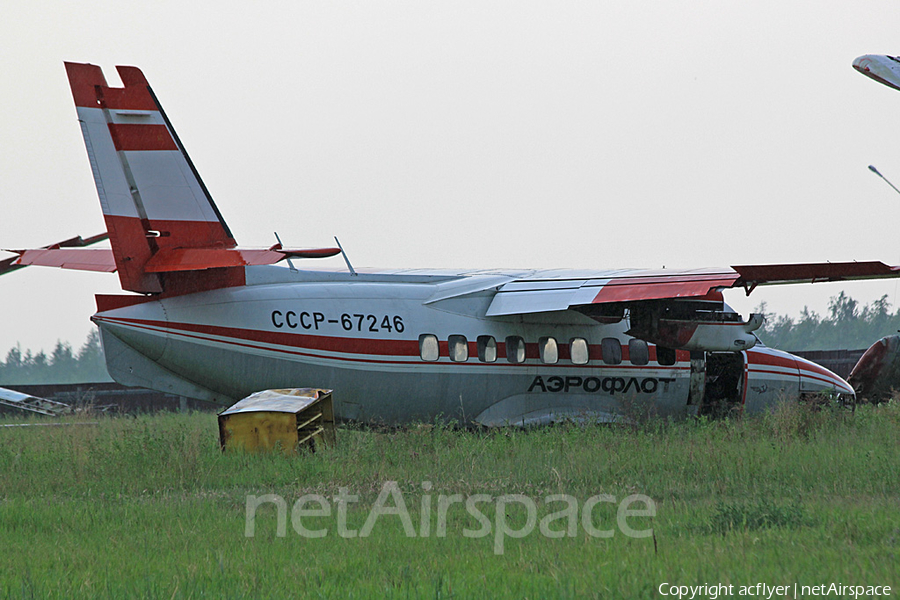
(150, 506)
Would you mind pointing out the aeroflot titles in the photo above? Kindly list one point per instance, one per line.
(592, 385)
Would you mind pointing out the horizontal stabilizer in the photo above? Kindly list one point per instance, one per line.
(11, 264)
(168, 260)
(196, 259)
(79, 259)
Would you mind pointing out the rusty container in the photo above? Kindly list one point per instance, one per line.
(284, 420)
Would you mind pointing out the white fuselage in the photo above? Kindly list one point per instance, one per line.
(371, 338)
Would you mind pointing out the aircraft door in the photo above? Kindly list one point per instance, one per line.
(724, 383)
(698, 382)
(717, 383)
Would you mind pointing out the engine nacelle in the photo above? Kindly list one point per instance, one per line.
(710, 332)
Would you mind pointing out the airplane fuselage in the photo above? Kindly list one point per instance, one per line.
(408, 346)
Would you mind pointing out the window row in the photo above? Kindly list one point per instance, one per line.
(579, 351)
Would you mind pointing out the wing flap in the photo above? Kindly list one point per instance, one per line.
(634, 289)
(532, 301)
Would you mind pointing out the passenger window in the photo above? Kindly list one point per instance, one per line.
(665, 356)
(638, 352)
(549, 350)
(458, 348)
(487, 348)
(428, 347)
(515, 349)
(612, 351)
(578, 350)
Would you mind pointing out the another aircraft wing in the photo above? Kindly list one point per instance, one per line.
(536, 294)
(883, 68)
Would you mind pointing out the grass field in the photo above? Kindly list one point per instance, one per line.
(150, 507)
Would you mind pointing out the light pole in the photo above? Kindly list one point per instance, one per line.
(874, 170)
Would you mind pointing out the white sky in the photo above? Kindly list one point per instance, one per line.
(474, 134)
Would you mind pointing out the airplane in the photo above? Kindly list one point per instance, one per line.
(206, 318)
(880, 67)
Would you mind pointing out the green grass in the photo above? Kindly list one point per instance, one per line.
(150, 507)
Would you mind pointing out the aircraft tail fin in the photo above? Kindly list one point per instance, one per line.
(152, 197)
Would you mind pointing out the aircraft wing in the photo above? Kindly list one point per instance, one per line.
(673, 309)
(535, 294)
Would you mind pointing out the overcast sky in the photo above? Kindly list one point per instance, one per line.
(474, 134)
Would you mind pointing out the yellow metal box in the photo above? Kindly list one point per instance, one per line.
(285, 420)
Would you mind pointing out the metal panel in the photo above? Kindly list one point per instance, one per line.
(514, 303)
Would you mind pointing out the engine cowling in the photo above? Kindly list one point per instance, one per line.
(701, 330)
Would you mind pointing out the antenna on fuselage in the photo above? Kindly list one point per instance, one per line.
(344, 254)
(874, 170)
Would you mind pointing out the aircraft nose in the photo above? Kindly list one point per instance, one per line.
(862, 63)
(816, 378)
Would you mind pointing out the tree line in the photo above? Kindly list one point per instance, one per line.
(62, 365)
(847, 326)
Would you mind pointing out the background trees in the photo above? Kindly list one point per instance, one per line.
(61, 366)
(847, 326)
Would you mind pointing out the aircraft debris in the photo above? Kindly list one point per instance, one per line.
(876, 376)
(33, 404)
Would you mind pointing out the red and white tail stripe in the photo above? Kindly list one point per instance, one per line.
(152, 197)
